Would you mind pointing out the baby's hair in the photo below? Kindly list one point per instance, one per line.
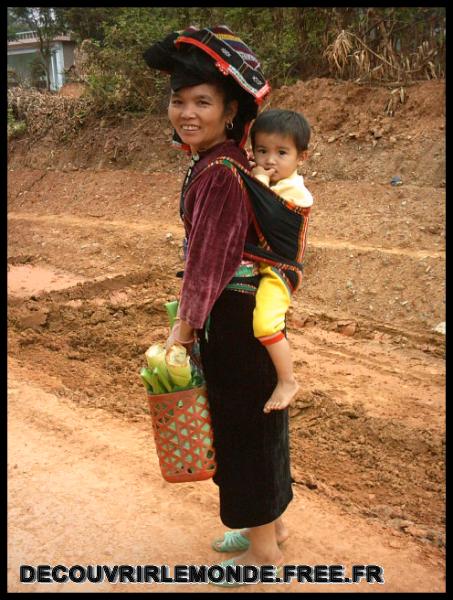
(285, 122)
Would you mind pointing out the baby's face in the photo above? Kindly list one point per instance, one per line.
(278, 152)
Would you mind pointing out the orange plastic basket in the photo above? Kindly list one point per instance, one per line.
(183, 435)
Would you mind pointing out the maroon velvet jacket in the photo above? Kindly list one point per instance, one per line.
(217, 224)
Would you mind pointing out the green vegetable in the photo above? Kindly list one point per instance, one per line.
(157, 385)
(151, 380)
(172, 309)
(162, 373)
(145, 379)
(169, 371)
(146, 375)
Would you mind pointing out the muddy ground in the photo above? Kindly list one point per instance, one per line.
(94, 242)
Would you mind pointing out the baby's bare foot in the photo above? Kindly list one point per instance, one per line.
(282, 395)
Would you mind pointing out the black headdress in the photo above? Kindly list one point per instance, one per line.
(214, 55)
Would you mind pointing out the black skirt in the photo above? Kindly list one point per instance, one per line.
(252, 447)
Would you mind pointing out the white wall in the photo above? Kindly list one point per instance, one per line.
(20, 59)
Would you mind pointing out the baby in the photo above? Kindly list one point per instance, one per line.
(279, 142)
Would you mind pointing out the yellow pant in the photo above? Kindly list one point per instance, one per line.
(272, 301)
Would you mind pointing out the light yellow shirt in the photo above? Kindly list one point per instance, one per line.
(291, 188)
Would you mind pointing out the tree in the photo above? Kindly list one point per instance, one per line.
(43, 21)
(86, 22)
(15, 24)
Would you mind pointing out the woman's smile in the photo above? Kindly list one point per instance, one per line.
(199, 116)
(190, 127)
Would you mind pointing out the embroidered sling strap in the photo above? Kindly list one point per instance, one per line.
(246, 278)
(281, 226)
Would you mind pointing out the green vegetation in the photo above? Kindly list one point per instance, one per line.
(291, 42)
(15, 128)
(366, 44)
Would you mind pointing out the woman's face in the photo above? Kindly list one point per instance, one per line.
(198, 114)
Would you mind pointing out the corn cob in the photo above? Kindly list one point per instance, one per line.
(178, 365)
(155, 356)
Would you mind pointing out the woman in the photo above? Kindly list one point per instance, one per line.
(216, 85)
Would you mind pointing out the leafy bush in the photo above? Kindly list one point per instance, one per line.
(291, 43)
(118, 79)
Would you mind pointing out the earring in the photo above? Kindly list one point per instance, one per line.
(229, 125)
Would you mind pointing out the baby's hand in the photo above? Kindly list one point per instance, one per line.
(251, 159)
(262, 171)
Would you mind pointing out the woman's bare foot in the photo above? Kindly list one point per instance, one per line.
(282, 395)
(281, 531)
(263, 548)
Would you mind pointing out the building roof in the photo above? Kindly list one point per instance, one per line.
(27, 39)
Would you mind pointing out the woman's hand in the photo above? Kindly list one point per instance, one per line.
(182, 333)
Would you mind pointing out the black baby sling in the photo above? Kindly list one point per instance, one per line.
(281, 226)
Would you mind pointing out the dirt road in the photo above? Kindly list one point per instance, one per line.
(92, 257)
(85, 488)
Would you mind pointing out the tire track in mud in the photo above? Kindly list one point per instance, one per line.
(341, 245)
(376, 360)
(115, 224)
(369, 373)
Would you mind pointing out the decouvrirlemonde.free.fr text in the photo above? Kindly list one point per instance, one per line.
(201, 574)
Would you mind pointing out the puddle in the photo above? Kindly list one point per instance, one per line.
(28, 280)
